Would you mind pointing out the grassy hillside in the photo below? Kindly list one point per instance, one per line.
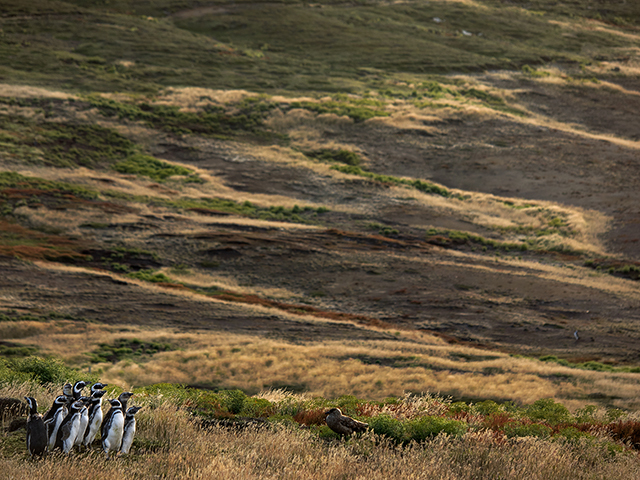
(292, 46)
(424, 213)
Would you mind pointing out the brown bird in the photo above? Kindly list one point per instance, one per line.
(342, 424)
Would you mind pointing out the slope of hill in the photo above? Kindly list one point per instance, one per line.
(413, 195)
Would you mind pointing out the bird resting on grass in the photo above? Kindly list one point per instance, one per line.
(343, 424)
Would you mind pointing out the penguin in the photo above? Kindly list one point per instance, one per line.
(113, 428)
(123, 398)
(77, 389)
(95, 417)
(67, 390)
(36, 430)
(53, 423)
(84, 421)
(97, 387)
(60, 401)
(129, 429)
(68, 431)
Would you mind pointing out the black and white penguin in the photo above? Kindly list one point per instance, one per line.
(84, 421)
(59, 413)
(95, 417)
(123, 398)
(36, 430)
(97, 387)
(129, 429)
(67, 390)
(69, 427)
(113, 428)
(77, 389)
(60, 401)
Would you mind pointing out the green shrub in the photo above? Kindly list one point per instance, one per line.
(256, 407)
(548, 410)
(572, 434)
(424, 427)
(233, 400)
(41, 370)
(388, 426)
(459, 407)
(487, 407)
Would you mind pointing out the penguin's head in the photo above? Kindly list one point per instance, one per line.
(98, 386)
(115, 403)
(78, 386)
(125, 396)
(131, 411)
(33, 405)
(98, 394)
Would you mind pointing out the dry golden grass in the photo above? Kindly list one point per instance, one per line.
(366, 369)
(182, 451)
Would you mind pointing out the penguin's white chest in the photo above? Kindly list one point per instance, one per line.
(73, 433)
(114, 435)
(127, 438)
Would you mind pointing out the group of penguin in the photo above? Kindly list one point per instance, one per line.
(74, 420)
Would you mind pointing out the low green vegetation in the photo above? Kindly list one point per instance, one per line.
(455, 237)
(125, 348)
(243, 119)
(65, 145)
(149, 275)
(420, 185)
(12, 351)
(383, 229)
(141, 47)
(62, 144)
(14, 180)
(590, 365)
(148, 166)
(615, 267)
(334, 155)
(357, 109)
(39, 370)
(533, 72)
